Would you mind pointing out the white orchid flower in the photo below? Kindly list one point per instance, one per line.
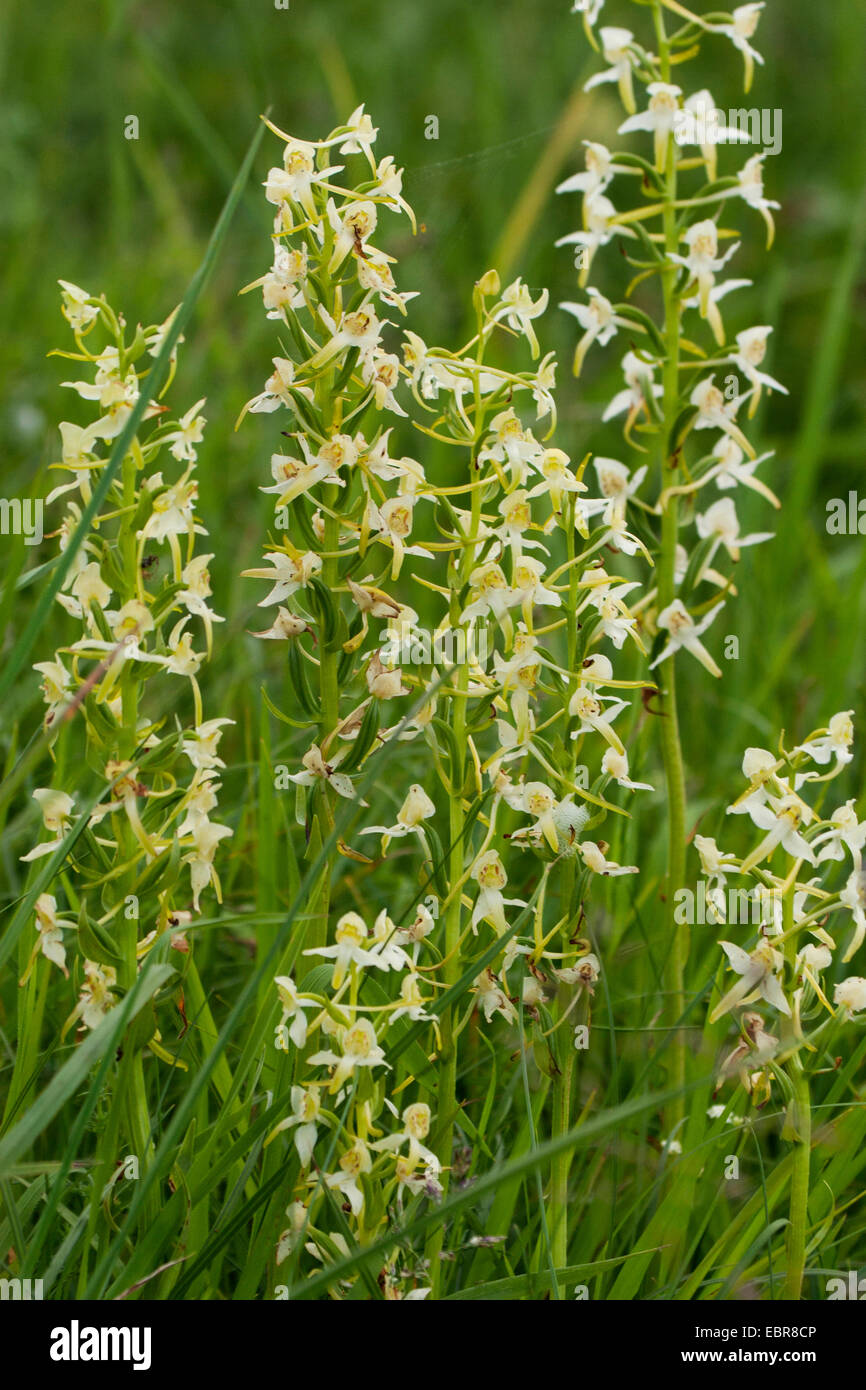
(96, 996)
(74, 307)
(744, 23)
(616, 47)
(595, 858)
(715, 863)
(385, 944)
(640, 384)
(206, 836)
(56, 807)
(518, 310)
(78, 455)
(685, 634)
(608, 600)
(492, 999)
(659, 118)
(701, 123)
(599, 229)
(306, 1108)
(599, 173)
(599, 321)
(189, 432)
(781, 817)
(417, 807)
(851, 994)
(352, 1164)
(350, 950)
(299, 176)
(489, 873)
(617, 484)
(731, 471)
(316, 769)
(717, 413)
(357, 136)
(584, 972)
(49, 928)
(375, 274)
(512, 445)
(290, 570)
(587, 705)
(388, 188)
(615, 764)
(833, 742)
(590, 9)
(416, 1127)
(759, 979)
(703, 263)
(200, 746)
(535, 799)
(758, 1047)
(392, 524)
(751, 351)
(360, 330)
(721, 523)
(845, 831)
(360, 1050)
(293, 477)
(412, 1002)
(760, 769)
(853, 896)
(751, 190)
(292, 1004)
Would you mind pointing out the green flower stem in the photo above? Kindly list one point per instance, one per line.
(677, 937)
(563, 1081)
(801, 1118)
(131, 1092)
(563, 1093)
(450, 976)
(316, 934)
(456, 855)
(106, 1153)
(329, 695)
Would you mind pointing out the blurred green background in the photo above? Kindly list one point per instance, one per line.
(131, 218)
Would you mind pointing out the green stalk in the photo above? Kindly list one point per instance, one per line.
(457, 852)
(329, 696)
(450, 975)
(801, 1119)
(131, 1093)
(678, 937)
(558, 1207)
(563, 1081)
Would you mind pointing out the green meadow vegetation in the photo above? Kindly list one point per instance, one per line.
(331, 967)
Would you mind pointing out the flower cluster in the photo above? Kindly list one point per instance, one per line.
(493, 640)
(677, 392)
(138, 596)
(806, 876)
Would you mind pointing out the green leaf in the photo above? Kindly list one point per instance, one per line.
(95, 942)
